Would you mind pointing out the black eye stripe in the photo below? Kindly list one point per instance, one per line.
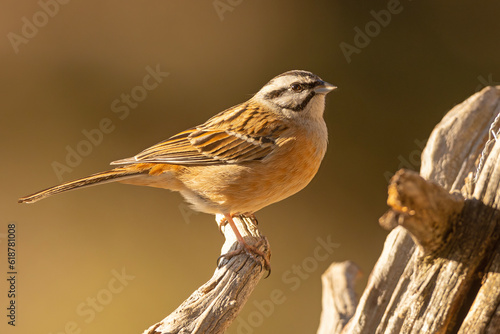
(310, 85)
(300, 106)
(275, 93)
(278, 92)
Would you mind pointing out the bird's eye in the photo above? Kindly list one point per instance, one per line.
(297, 87)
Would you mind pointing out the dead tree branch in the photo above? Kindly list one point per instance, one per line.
(449, 281)
(214, 305)
(339, 298)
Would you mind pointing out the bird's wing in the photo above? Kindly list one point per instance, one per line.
(242, 133)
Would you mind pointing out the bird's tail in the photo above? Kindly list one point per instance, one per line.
(116, 174)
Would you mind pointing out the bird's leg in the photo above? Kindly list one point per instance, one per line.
(222, 221)
(251, 250)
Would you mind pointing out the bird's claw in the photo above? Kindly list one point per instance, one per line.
(253, 251)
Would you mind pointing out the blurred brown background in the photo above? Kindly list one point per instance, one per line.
(63, 78)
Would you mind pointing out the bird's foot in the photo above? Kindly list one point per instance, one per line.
(254, 252)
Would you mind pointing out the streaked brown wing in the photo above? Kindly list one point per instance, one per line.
(239, 134)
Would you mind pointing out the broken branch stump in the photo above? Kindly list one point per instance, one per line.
(439, 270)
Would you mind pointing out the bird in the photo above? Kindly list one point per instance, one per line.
(242, 159)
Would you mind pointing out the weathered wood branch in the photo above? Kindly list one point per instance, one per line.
(339, 298)
(214, 305)
(423, 208)
(439, 282)
(449, 281)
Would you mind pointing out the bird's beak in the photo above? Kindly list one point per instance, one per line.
(324, 88)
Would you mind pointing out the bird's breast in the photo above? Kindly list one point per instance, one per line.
(250, 186)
